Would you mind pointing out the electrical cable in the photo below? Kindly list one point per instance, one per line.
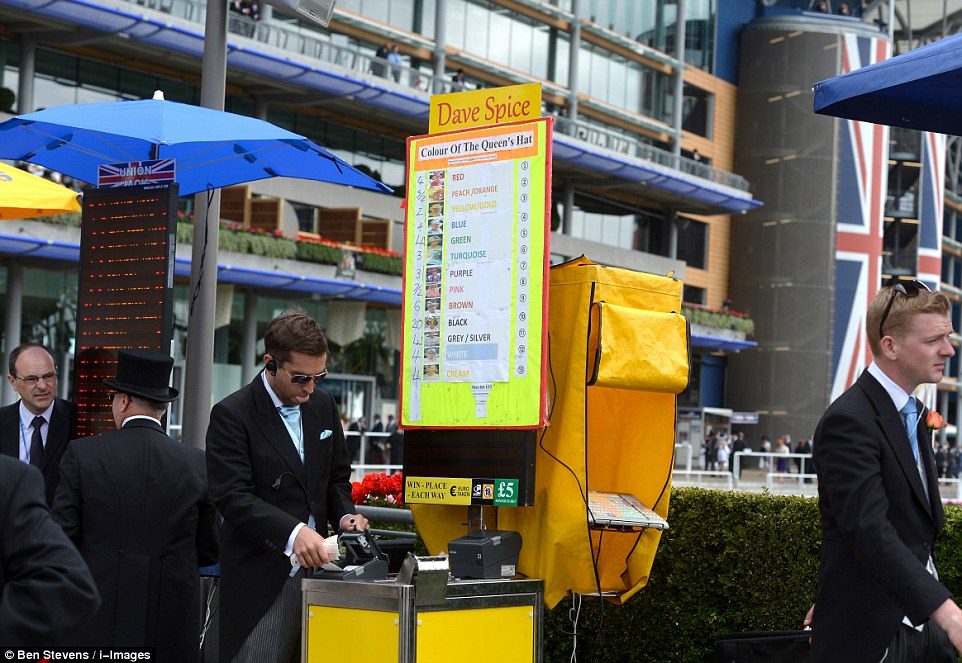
(203, 255)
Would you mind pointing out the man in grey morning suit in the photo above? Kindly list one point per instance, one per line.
(278, 467)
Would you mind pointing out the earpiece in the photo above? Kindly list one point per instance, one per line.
(271, 366)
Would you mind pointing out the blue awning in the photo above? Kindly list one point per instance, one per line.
(720, 343)
(35, 247)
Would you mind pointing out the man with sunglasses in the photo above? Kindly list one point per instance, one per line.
(36, 428)
(280, 475)
(879, 595)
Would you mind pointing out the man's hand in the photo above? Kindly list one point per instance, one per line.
(309, 548)
(353, 522)
(807, 622)
(949, 617)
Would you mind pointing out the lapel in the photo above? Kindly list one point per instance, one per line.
(58, 434)
(928, 457)
(273, 429)
(893, 430)
(10, 430)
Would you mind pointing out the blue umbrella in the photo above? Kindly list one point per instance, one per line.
(212, 148)
(920, 89)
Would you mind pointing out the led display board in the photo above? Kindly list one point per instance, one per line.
(125, 292)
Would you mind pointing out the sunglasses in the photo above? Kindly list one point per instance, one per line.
(299, 379)
(910, 289)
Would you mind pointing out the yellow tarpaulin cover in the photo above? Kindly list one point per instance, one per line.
(618, 357)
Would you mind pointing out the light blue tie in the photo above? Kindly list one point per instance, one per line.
(910, 417)
(292, 416)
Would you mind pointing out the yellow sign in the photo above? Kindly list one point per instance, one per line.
(478, 108)
(476, 261)
(434, 490)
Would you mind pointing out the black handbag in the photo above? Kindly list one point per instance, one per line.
(763, 647)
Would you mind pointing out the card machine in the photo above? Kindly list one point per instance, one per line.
(361, 559)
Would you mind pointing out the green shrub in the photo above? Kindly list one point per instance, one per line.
(376, 262)
(320, 253)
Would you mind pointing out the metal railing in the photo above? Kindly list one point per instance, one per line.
(361, 466)
(694, 477)
(619, 142)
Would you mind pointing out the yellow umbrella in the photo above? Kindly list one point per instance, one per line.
(23, 195)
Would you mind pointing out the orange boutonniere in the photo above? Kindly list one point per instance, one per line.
(934, 421)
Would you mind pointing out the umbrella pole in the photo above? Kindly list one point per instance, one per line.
(203, 267)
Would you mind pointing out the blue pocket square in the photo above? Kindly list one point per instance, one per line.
(326, 434)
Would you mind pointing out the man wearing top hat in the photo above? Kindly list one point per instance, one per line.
(137, 507)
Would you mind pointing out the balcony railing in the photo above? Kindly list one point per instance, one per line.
(308, 43)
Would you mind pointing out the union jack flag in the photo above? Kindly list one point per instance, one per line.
(136, 172)
(861, 187)
(931, 203)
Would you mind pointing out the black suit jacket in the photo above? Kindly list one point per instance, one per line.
(878, 527)
(46, 591)
(263, 490)
(136, 504)
(58, 435)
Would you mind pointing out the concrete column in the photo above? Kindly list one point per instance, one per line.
(569, 208)
(679, 76)
(249, 366)
(203, 269)
(28, 68)
(260, 107)
(573, 60)
(440, 38)
(673, 235)
(14, 321)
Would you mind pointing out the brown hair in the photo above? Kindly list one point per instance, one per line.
(294, 331)
(900, 316)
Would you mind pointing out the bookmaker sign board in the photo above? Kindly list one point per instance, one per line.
(476, 266)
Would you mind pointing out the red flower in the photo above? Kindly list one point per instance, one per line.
(934, 421)
(375, 488)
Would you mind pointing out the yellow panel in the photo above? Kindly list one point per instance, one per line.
(326, 626)
(507, 634)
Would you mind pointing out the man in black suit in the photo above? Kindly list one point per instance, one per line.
(879, 594)
(46, 591)
(278, 469)
(136, 505)
(36, 429)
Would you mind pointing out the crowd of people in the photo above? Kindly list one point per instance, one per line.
(719, 449)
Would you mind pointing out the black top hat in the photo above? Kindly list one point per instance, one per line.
(145, 374)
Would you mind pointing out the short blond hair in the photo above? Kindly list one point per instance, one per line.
(901, 313)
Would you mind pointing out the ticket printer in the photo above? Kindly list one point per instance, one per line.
(485, 554)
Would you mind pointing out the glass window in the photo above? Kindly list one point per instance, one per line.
(693, 242)
(476, 30)
(696, 111)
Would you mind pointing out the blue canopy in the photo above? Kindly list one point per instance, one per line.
(920, 89)
(212, 149)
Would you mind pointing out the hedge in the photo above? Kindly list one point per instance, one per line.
(729, 562)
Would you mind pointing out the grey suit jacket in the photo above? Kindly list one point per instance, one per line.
(263, 490)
